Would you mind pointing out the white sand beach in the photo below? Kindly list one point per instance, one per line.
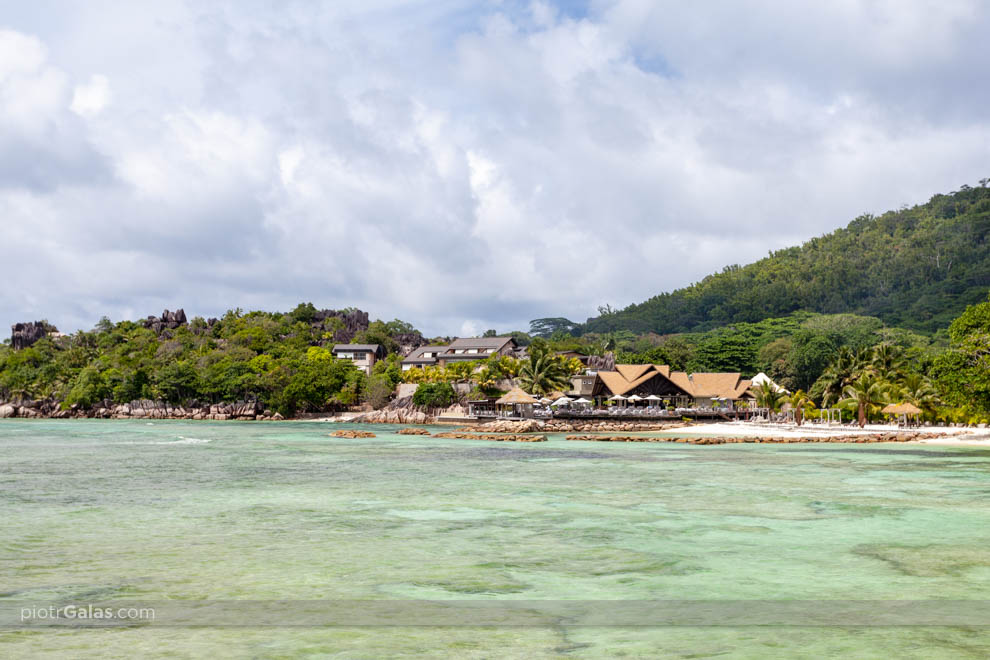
(956, 435)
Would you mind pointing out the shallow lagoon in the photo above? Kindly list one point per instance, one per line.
(127, 510)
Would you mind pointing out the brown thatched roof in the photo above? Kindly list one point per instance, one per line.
(516, 396)
(902, 409)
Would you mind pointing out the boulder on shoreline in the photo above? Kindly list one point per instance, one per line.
(352, 434)
(461, 435)
(411, 430)
(397, 416)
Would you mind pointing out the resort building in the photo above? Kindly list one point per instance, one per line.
(459, 350)
(658, 383)
(476, 348)
(643, 380)
(583, 385)
(424, 356)
(711, 389)
(363, 356)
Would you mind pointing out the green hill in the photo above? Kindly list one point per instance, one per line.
(915, 268)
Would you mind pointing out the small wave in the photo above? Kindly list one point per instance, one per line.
(186, 441)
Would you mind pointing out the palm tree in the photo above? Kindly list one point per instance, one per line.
(865, 393)
(768, 396)
(836, 377)
(887, 362)
(917, 389)
(542, 372)
(799, 402)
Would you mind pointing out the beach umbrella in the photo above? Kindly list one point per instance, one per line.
(635, 397)
(617, 397)
(515, 396)
(902, 409)
(581, 400)
(545, 401)
(562, 400)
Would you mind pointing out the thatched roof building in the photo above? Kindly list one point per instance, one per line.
(515, 396)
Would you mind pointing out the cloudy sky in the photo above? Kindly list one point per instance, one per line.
(458, 164)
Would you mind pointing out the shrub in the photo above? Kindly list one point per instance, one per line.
(434, 395)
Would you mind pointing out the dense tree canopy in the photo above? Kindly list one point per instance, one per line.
(914, 268)
(282, 360)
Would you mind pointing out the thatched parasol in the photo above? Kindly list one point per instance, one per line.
(902, 409)
(515, 396)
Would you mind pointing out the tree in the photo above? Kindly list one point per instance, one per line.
(548, 326)
(378, 391)
(490, 333)
(724, 352)
(811, 355)
(837, 376)
(918, 389)
(87, 388)
(962, 374)
(303, 313)
(542, 372)
(800, 403)
(768, 396)
(434, 395)
(866, 394)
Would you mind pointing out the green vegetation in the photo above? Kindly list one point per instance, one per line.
(434, 395)
(542, 372)
(282, 360)
(914, 268)
(962, 374)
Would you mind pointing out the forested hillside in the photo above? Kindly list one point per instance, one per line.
(914, 268)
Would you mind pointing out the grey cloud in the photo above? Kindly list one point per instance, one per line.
(453, 161)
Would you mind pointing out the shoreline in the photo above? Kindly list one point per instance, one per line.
(946, 435)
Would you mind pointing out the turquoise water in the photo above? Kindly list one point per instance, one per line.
(125, 510)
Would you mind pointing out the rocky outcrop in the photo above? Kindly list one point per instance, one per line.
(567, 426)
(400, 416)
(145, 409)
(141, 409)
(167, 321)
(602, 362)
(491, 436)
(506, 426)
(863, 438)
(412, 430)
(351, 322)
(352, 433)
(23, 335)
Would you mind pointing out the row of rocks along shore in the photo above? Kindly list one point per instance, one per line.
(472, 434)
(712, 440)
(243, 410)
(462, 435)
(497, 430)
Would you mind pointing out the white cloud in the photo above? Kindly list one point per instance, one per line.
(456, 164)
(89, 99)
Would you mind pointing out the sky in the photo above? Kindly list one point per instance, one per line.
(460, 165)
